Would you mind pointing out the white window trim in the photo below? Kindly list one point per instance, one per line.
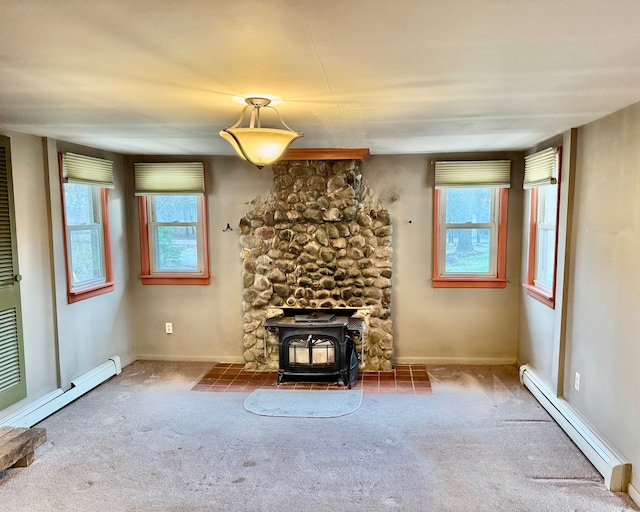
(542, 197)
(549, 228)
(491, 226)
(153, 225)
(96, 225)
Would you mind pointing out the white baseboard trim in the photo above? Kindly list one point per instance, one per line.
(18, 418)
(400, 360)
(195, 359)
(456, 360)
(634, 494)
(52, 402)
(615, 469)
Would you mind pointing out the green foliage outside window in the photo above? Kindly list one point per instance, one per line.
(468, 248)
(176, 223)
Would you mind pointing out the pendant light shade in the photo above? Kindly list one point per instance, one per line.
(259, 146)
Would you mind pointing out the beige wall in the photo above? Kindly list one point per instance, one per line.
(594, 327)
(443, 325)
(603, 320)
(207, 320)
(62, 341)
(92, 330)
(539, 330)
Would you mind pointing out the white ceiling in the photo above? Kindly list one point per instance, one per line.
(402, 76)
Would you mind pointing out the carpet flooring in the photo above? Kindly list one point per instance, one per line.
(143, 441)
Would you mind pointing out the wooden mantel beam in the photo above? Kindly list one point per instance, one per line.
(326, 154)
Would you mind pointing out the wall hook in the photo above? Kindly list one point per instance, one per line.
(228, 228)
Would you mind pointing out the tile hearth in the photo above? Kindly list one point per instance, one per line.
(411, 379)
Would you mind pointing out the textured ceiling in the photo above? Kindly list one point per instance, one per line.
(403, 76)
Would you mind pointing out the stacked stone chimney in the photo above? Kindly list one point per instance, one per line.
(319, 240)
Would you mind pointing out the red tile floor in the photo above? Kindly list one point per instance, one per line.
(411, 379)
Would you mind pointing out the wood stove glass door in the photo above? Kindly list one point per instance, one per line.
(312, 352)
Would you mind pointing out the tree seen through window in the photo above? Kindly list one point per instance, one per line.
(175, 224)
(469, 220)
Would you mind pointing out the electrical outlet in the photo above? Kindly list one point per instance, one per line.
(576, 381)
(168, 328)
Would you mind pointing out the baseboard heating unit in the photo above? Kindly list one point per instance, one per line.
(52, 402)
(615, 469)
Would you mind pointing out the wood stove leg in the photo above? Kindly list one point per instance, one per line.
(344, 377)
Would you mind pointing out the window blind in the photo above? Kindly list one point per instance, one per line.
(480, 173)
(173, 178)
(541, 168)
(87, 170)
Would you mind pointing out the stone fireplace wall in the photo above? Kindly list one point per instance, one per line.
(320, 239)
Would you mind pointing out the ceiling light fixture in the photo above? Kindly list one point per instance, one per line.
(257, 145)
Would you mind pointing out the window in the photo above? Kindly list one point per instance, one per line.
(470, 224)
(175, 226)
(173, 229)
(541, 177)
(85, 195)
(83, 214)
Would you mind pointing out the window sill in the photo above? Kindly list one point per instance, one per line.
(469, 282)
(539, 295)
(87, 293)
(174, 279)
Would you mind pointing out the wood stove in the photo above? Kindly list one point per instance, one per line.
(317, 344)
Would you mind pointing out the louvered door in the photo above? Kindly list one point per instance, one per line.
(12, 378)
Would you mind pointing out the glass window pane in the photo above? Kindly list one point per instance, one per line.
(86, 255)
(547, 204)
(176, 248)
(78, 204)
(546, 236)
(176, 208)
(468, 205)
(468, 251)
(545, 240)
